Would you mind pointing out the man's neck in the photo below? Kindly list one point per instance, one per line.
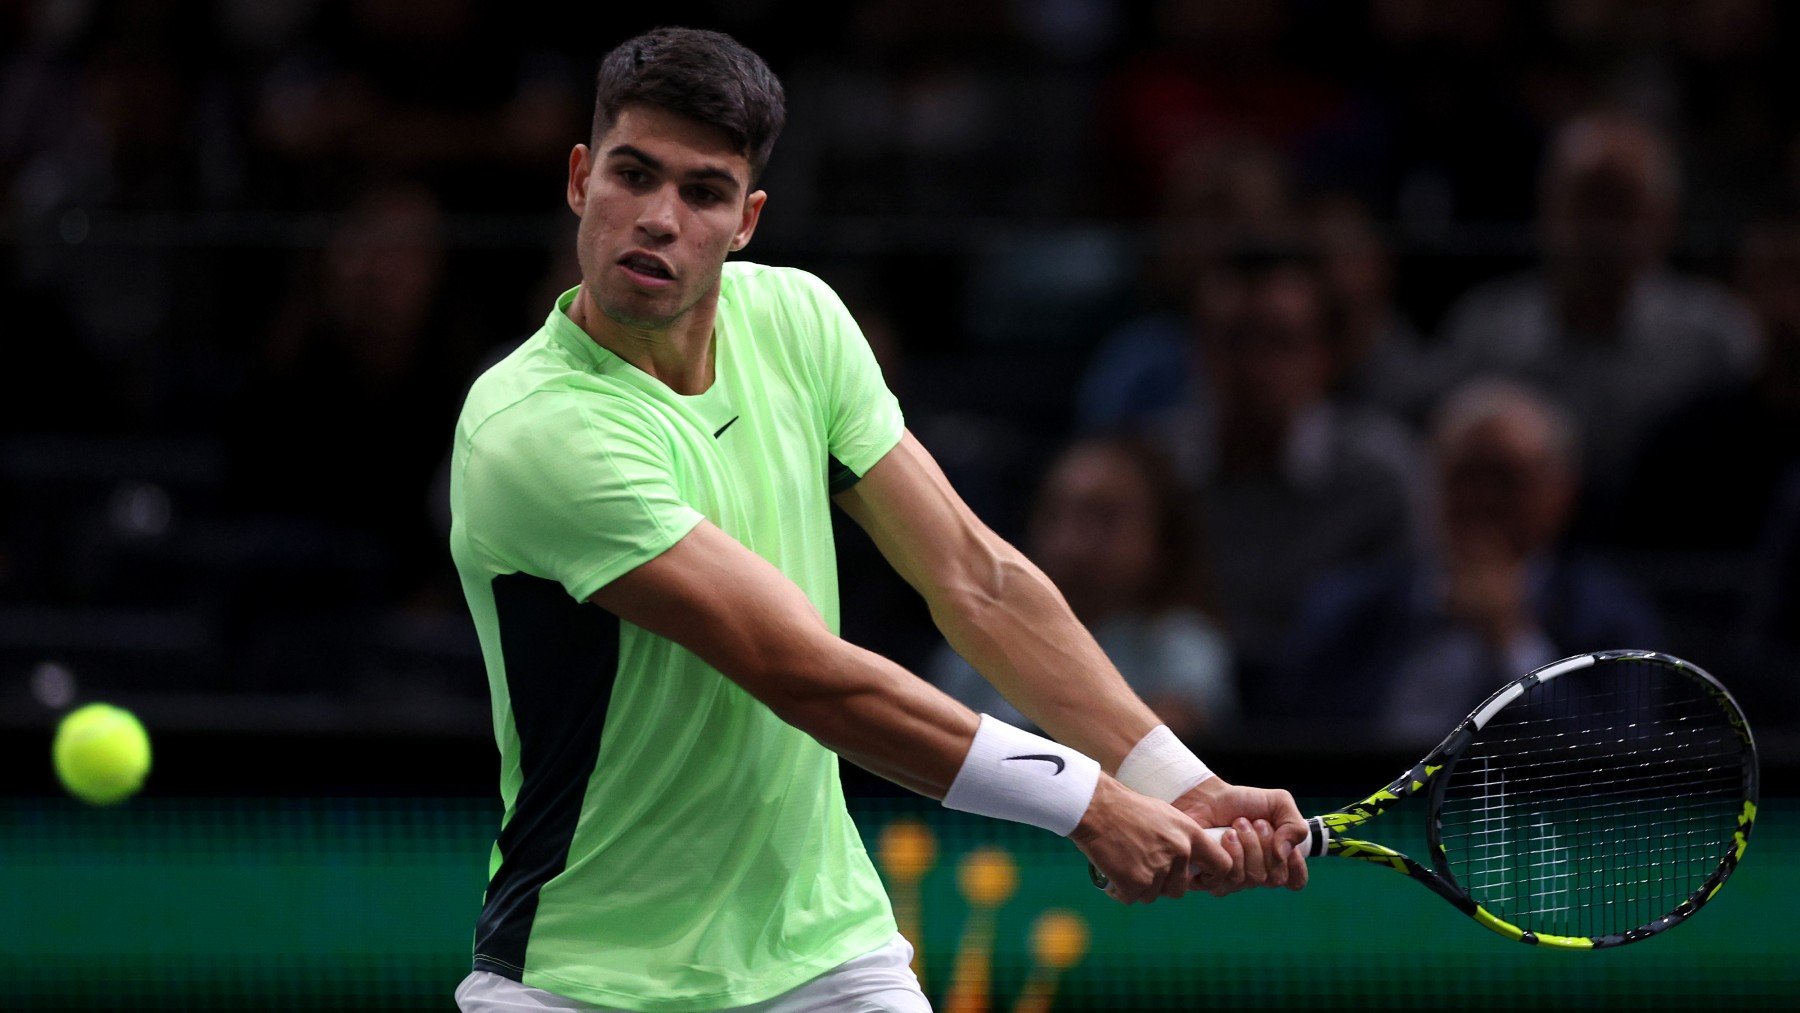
(680, 355)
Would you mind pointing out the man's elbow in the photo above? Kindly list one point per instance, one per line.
(985, 580)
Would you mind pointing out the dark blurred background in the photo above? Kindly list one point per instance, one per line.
(1339, 359)
(1221, 265)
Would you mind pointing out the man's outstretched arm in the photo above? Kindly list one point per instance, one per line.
(1002, 614)
(745, 618)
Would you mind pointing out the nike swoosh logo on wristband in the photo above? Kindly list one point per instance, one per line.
(1046, 757)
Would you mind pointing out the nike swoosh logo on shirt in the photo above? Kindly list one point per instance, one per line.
(726, 426)
(1046, 757)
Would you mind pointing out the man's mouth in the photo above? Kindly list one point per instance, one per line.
(646, 267)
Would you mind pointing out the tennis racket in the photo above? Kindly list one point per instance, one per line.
(1592, 803)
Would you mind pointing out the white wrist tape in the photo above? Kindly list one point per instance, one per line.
(1011, 774)
(1161, 767)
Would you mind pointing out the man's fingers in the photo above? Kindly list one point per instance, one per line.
(1217, 855)
(1296, 864)
(1122, 893)
(1267, 842)
(1231, 876)
(1126, 885)
(1175, 883)
(1255, 868)
(1221, 888)
(1160, 885)
(1274, 858)
(1292, 835)
(1286, 814)
(1178, 878)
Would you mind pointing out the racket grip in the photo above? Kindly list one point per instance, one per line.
(1312, 847)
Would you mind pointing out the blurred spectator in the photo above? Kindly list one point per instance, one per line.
(1420, 639)
(1108, 530)
(1713, 467)
(1217, 194)
(1290, 483)
(1378, 357)
(1604, 323)
(345, 419)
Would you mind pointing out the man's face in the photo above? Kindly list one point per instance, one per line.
(662, 199)
(1267, 350)
(1502, 480)
(1094, 528)
(1604, 221)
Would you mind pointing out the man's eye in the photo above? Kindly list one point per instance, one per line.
(633, 177)
(702, 196)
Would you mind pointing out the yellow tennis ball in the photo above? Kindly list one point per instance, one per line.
(1059, 939)
(102, 753)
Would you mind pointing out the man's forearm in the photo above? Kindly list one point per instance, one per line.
(873, 713)
(996, 608)
(1012, 624)
(882, 718)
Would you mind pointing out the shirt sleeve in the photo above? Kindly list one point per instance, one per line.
(862, 417)
(563, 487)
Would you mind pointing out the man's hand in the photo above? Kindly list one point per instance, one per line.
(1146, 847)
(1269, 831)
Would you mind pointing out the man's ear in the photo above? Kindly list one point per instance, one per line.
(753, 205)
(579, 171)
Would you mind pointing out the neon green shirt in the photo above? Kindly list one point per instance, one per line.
(668, 843)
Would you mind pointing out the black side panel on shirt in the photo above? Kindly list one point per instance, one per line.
(561, 659)
(837, 477)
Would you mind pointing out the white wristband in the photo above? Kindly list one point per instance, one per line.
(1011, 774)
(1161, 767)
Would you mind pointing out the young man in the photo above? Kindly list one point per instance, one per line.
(667, 447)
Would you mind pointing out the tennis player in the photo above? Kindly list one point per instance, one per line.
(667, 448)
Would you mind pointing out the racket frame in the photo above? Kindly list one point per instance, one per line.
(1430, 775)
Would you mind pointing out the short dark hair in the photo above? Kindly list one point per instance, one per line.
(706, 76)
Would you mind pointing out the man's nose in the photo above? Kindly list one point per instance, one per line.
(656, 215)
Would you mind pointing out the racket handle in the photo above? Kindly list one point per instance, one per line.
(1314, 846)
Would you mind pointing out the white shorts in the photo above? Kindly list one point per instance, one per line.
(880, 981)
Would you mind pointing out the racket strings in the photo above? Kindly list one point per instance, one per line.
(1595, 803)
(1491, 832)
(1679, 784)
